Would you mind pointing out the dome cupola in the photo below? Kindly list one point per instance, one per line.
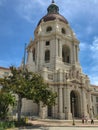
(53, 14)
(53, 8)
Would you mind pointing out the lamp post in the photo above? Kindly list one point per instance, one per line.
(90, 112)
(65, 112)
(73, 111)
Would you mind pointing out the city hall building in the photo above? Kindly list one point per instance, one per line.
(54, 54)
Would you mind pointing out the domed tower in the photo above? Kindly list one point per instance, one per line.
(55, 45)
(54, 54)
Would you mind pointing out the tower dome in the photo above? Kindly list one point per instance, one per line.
(52, 14)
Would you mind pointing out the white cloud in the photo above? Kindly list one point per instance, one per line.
(70, 9)
(94, 79)
(31, 9)
(76, 6)
(92, 68)
(89, 30)
(94, 49)
(83, 46)
(90, 50)
(94, 46)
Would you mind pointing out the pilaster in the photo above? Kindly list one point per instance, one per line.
(61, 114)
(68, 109)
(42, 111)
(84, 104)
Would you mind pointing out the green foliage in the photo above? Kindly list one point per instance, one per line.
(5, 125)
(28, 85)
(6, 99)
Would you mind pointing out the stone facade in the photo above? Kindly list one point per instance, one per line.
(54, 54)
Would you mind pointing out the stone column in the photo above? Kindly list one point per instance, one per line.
(61, 114)
(37, 55)
(73, 54)
(42, 111)
(84, 104)
(68, 109)
(60, 45)
(90, 105)
(30, 63)
(41, 53)
(56, 47)
(55, 108)
(77, 53)
(65, 103)
(60, 75)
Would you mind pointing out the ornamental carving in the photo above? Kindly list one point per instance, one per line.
(73, 75)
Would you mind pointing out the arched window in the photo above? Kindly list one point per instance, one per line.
(47, 55)
(63, 31)
(49, 29)
(65, 54)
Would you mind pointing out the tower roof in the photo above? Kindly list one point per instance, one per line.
(52, 14)
(53, 8)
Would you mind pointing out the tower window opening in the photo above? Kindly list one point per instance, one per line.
(96, 99)
(65, 54)
(63, 31)
(47, 43)
(49, 29)
(67, 59)
(47, 56)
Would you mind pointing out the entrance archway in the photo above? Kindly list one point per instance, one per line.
(75, 102)
(49, 111)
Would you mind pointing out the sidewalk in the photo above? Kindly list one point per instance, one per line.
(61, 123)
(38, 123)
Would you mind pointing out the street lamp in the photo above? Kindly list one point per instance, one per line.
(73, 99)
(91, 115)
(65, 112)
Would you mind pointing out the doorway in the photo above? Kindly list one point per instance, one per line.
(75, 103)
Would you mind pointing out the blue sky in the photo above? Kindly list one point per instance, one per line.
(18, 19)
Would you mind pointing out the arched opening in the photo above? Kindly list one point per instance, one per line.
(65, 54)
(47, 56)
(63, 31)
(49, 29)
(75, 103)
(49, 111)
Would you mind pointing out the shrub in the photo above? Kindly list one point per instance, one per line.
(4, 125)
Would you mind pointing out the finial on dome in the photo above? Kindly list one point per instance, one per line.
(53, 8)
(53, 1)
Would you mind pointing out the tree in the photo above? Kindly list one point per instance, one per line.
(6, 100)
(28, 85)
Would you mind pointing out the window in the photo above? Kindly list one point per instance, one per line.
(50, 76)
(47, 43)
(92, 98)
(47, 56)
(34, 54)
(65, 54)
(96, 99)
(49, 29)
(63, 31)
(6, 73)
(97, 109)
